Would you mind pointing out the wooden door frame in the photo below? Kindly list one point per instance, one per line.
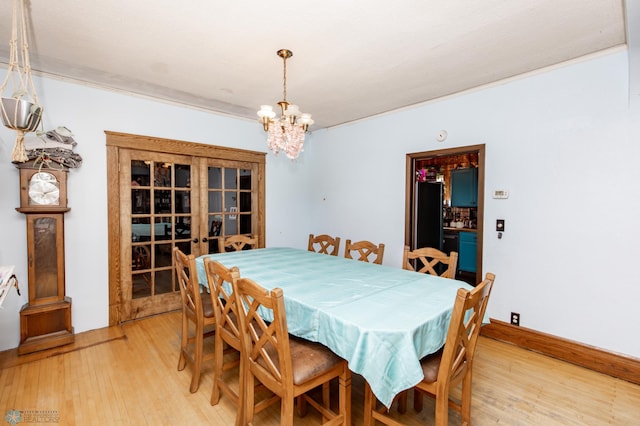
(116, 141)
(409, 189)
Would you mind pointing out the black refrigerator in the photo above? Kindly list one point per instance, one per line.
(428, 215)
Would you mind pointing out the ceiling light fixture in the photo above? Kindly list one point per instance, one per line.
(287, 132)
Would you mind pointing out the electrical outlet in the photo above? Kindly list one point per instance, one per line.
(515, 318)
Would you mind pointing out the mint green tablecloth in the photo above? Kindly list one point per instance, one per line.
(381, 319)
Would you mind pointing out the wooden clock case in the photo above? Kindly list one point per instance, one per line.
(45, 321)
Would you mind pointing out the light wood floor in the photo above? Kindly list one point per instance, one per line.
(132, 379)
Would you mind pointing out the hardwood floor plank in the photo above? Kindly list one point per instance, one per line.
(7, 380)
(133, 380)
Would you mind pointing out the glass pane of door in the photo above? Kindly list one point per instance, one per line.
(246, 197)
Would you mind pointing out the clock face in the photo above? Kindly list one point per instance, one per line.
(44, 189)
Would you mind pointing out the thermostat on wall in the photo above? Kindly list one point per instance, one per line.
(500, 193)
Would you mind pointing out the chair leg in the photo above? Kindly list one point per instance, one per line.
(418, 401)
(326, 403)
(241, 408)
(375, 412)
(184, 341)
(287, 406)
(465, 403)
(197, 360)
(217, 369)
(442, 406)
(369, 405)
(344, 395)
(301, 405)
(402, 402)
(248, 405)
(182, 361)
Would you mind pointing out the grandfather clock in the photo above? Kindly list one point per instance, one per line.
(45, 321)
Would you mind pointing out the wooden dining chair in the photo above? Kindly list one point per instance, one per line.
(198, 317)
(238, 242)
(324, 244)
(364, 250)
(227, 334)
(288, 366)
(221, 281)
(450, 366)
(429, 260)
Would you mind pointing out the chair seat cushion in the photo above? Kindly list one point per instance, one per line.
(431, 366)
(207, 306)
(310, 359)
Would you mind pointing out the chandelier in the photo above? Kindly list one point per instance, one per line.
(287, 132)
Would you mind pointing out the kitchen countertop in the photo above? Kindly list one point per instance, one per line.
(447, 228)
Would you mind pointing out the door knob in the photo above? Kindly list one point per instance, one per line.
(205, 239)
(195, 240)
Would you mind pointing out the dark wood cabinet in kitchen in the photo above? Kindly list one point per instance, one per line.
(464, 187)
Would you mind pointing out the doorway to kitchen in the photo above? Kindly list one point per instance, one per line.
(453, 218)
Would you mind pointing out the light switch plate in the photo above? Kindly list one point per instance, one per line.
(501, 194)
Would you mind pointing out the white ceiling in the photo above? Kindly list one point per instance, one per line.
(351, 59)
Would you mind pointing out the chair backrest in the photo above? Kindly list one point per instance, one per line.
(238, 242)
(325, 244)
(188, 283)
(223, 300)
(365, 249)
(464, 329)
(427, 259)
(266, 344)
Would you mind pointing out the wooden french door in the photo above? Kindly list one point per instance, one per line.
(228, 201)
(157, 215)
(166, 200)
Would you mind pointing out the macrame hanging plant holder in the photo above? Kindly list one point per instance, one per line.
(20, 110)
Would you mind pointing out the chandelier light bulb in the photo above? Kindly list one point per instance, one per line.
(266, 111)
(292, 110)
(305, 118)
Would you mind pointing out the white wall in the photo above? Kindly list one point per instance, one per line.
(565, 145)
(88, 113)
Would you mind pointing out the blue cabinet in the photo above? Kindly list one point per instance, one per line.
(464, 187)
(468, 244)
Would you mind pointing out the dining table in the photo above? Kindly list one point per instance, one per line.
(381, 319)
